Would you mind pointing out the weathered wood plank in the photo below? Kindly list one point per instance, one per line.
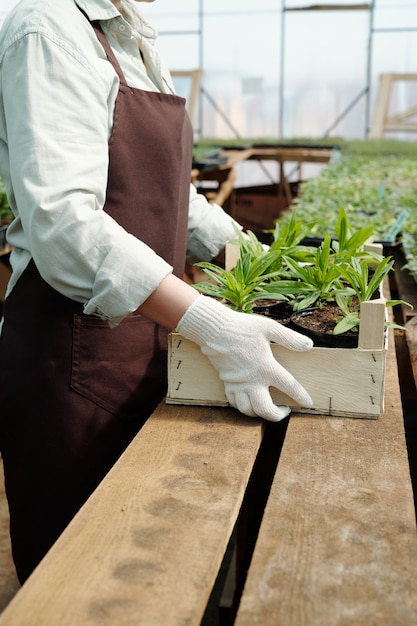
(147, 546)
(338, 543)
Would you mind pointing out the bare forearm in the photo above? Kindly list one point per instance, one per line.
(168, 303)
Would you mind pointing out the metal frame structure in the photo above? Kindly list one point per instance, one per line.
(199, 32)
(364, 93)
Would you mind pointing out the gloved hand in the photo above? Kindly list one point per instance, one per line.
(238, 346)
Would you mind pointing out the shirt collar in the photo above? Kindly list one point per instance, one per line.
(98, 9)
(103, 10)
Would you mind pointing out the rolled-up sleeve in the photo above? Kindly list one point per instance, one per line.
(58, 164)
(209, 228)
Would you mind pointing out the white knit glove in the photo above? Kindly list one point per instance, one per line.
(238, 346)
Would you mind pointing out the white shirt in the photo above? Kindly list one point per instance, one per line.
(57, 94)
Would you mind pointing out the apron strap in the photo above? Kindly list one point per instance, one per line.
(109, 52)
(107, 48)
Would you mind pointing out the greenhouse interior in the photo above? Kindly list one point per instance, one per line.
(274, 479)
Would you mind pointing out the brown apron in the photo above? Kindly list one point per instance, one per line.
(73, 391)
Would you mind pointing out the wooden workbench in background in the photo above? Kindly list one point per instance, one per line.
(222, 178)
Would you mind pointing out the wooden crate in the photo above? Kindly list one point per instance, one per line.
(347, 382)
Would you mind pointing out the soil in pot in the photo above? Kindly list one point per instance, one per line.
(279, 311)
(318, 323)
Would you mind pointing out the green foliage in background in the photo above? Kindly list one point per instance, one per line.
(374, 181)
(374, 190)
(380, 191)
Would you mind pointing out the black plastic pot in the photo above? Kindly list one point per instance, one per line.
(279, 311)
(322, 339)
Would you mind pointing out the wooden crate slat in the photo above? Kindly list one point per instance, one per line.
(340, 381)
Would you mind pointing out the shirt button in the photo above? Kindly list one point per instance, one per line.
(122, 27)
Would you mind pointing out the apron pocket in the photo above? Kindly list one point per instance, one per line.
(122, 369)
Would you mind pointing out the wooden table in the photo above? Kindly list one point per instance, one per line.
(282, 155)
(337, 543)
(147, 546)
(224, 174)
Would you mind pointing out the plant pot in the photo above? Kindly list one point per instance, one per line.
(279, 311)
(318, 324)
